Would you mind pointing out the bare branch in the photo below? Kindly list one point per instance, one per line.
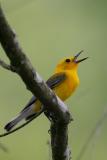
(6, 66)
(38, 87)
(59, 141)
(23, 67)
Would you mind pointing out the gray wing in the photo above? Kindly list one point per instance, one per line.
(55, 80)
(52, 82)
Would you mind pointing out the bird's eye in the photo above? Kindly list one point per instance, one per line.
(68, 60)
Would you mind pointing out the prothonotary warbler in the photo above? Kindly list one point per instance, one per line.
(63, 82)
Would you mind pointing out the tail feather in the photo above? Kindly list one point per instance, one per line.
(12, 123)
(23, 115)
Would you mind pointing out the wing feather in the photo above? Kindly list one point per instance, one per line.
(55, 80)
(52, 82)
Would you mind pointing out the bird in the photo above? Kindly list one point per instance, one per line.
(63, 82)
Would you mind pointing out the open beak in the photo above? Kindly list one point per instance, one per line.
(77, 55)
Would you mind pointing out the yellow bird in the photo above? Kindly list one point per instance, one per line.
(64, 82)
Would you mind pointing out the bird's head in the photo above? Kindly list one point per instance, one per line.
(70, 63)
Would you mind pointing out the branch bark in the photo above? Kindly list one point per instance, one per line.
(20, 64)
(59, 141)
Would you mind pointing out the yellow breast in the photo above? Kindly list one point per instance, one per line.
(64, 89)
(68, 86)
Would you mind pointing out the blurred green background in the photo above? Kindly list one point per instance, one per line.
(49, 30)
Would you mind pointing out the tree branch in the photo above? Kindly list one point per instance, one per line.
(59, 141)
(33, 82)
(6, 66)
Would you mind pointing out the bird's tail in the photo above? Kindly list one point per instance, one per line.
(13, 123)
(22, 115)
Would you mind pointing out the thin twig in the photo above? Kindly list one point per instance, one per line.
(4, 148)
(6, 66)
(93, 133)
(21, 126)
